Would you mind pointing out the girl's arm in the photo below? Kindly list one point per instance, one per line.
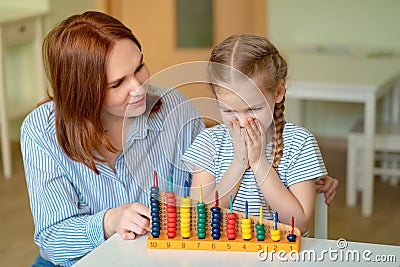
(228, 185)
(297, 200)
(231, 179)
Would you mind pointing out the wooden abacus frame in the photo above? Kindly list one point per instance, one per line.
(208, 243)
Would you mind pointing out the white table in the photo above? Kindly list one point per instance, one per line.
(118, 252)
(17, 26)
(346, 78)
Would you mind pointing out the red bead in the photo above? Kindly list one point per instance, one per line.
(231, 236)
(230, 226)
(170, 195)
(171, 234)
(230, 231)
(171, 209)
(171, 219)
(171, 224)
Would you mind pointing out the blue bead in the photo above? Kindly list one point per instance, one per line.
(291, 238)
(216, 220)
(216, 230)
(155, 208)
(155, 213)
(216, 215)
(215, 209)
(154, 205)
(155, 219)
(216, 236)
(215, 225)
(155, 234)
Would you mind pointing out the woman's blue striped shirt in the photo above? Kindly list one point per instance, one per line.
(68, 200)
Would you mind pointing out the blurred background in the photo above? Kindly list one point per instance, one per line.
(178, 31)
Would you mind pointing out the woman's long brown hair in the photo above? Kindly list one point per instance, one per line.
(256, 56)
(74, 56)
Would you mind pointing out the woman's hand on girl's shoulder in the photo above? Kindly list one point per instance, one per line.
(327, 185)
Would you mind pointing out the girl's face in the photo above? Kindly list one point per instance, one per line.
(249, 103)
(127, 78)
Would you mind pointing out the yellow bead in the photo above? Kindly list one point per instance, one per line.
(275, 235)
(185, 234)
(246, 221)
(185, 219)
(246, 231)
(185, 229)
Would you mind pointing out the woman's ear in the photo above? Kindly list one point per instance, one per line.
(280, 92)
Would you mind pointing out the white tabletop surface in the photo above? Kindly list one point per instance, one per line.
(338, 74)
(118, 252)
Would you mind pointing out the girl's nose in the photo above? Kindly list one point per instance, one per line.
(241, 118)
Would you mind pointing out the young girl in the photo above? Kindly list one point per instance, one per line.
(255, 156)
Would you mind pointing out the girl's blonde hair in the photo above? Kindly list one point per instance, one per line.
(255, 56)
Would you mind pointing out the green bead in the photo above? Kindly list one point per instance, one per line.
(260, 231)
(201, 230)
(201, 235)
(260, 237)
(201, 210)
(201, 225)
(259, 226)
(201, 215)
(202, 220)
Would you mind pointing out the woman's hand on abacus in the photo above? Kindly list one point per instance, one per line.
(256, 142)
(128, 220)
(239, 143)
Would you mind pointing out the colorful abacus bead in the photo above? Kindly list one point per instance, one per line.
(185, 217)
(260, 231)
(216, 222)
(246, 229)
(276, 234)
(291, 237)
(171, 214)
(231, 226)
(155, 212)
(201, 220)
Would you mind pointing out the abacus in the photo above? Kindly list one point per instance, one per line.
(181, 223)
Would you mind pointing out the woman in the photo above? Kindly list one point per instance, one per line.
(81, 188)
(87, 178)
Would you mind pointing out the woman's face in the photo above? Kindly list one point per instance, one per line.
(127, 78)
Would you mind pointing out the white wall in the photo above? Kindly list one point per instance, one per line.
(354, 24)
(21, 82)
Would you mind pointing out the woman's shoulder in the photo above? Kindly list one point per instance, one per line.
(41, 119)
